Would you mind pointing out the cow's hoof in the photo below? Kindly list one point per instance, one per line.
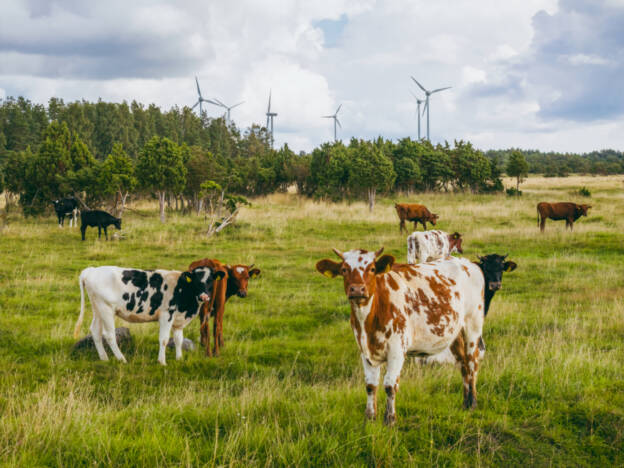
(370, 415)
(389, 419)
(470, 404)
(162, 363)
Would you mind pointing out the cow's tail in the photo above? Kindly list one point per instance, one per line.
(538, 217)
(81, 280)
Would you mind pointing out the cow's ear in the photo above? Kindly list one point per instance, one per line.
(328, 268)
(510, 266)
(254, 273)
(384, 264)
(186, 277)
(219, 275)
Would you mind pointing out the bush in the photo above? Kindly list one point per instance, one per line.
(512, 192)
(584, 192)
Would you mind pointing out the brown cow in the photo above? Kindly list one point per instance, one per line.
(235, 282)
(557, 211)
(416, 213)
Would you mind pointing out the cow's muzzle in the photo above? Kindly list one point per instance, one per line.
(356, 291)
(204, 297)
(242, 293)
(495, 286)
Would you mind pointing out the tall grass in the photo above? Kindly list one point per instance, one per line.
(288, 389)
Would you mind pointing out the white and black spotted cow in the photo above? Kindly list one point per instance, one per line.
(173, 298)
(432, 245)
(66, 207)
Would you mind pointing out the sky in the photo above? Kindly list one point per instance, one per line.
(535, 74)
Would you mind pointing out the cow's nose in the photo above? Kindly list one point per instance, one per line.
(495, 286)
(357, 290)
(242, 293)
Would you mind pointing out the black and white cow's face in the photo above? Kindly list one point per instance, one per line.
(198, 282)
(493, 266)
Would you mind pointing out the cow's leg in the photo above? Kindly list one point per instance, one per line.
(96, 333)
(466, 350)
(108, 323)
(570, 222)
(60, 219)
(83, 230)
(218, 337)
(163, 337)
(204, 328)
(371, 377)
(178, 338)
(99, 231)
(391, 384)
(105, 232)
(402, 226)
(542, 224)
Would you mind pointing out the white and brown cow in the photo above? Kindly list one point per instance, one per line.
(399, 310)
(432, 245)
(173, 298)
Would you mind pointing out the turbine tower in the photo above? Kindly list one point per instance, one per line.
(427, 94)
(269, 116)
(336, 121)
(228, 108)
(200, 99)
(419, 102)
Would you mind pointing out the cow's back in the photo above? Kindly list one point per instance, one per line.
(426, 246)
(556, 211)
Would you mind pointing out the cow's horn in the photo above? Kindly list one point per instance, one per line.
(251, 266)
(338, 252)
(505, 256)
(379, 252)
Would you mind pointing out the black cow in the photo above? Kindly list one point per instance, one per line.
(66, 206)
(493, 266)
(98, 218)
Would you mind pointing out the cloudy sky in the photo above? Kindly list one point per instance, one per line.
(545, 74)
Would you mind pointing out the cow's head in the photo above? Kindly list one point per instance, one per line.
(455, 241)
(358, 269)
(117, 223)
(433, 218)
(581, 210)
(199, 281)
(239, 276)
(493, 266)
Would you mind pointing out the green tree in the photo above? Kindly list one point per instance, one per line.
(471, 168)
(370, 170)
(117, 173)
(517, 167)
(160, 167)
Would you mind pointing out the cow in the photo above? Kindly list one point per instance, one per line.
(416, 213)
(66, 207)
(234, 283)
(173, 298)
(558, 211)
(492, 267)
(410, 310)
(432, 245)
(98, 218)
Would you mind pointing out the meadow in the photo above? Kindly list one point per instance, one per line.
(288, 388)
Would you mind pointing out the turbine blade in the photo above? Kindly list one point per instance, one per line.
(269, 108)
(336, 113)
(440, 89)
(425, 108)
(195, 105)
(197, 83)
(236, 105)
(328, 116)
(219, 103)
(419, 85)
(338, 122)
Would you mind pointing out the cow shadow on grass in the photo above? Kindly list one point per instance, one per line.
(85, 348)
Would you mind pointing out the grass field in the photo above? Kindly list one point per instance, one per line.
(288, 389)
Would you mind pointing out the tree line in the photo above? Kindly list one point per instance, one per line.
(104, 152)
(553, 164)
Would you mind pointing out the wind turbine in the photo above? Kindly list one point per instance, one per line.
(229, 108)
(336, 121)
(269, 116)
(427, 94)
(419, 102)
(200, 99)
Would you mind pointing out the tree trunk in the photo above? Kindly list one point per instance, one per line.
(200, 205)
(517, 186)
(161, 203)
(123, 203)
(371, 199)
(220, 204)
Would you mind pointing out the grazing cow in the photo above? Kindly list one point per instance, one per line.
(492, 266)
(234, 283)
(66, 207)
(173, 298)
(432, 245)
(558, 211)
(416, 213)
(411, 309)
(98, 218)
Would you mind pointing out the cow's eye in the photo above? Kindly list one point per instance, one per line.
(373, 269)
(344, 269)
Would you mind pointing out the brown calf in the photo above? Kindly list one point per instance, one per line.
(235, 283)
(416, 213)
(557, 211)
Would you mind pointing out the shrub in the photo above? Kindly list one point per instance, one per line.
(584, 192)
(513, 192)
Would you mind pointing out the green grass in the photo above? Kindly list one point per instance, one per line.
(288, 389)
